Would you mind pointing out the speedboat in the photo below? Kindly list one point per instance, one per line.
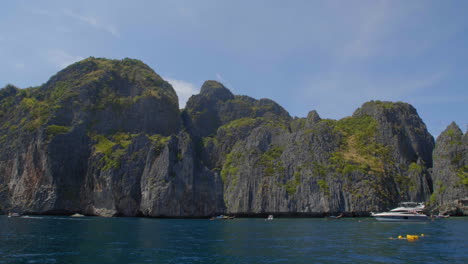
(222, 217)
(270, 218)
(405, 212)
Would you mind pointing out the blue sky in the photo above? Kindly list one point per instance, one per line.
(330, 56)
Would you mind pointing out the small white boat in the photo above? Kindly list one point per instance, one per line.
(77, 215)
(270, 217)
(13, 215)
(222, 217)
(405, 212)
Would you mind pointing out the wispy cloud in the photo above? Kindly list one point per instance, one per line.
(183, 89)
(40, 11)
(93, 22)
(19, 65)
(61, 58)
(225, 82)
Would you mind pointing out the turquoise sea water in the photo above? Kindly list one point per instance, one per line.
(49, 239)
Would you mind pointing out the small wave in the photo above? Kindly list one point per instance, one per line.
(32, 217)
(44, 254)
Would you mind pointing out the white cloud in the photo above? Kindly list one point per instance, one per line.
(61, 58)
(183, 89)
(94, 22)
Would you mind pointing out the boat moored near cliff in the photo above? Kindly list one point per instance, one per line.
(10, 214)
(405, 212)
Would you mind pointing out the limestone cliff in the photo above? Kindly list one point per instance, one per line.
(369, 161)
(106, 137)
(450, 172)
(93, 138)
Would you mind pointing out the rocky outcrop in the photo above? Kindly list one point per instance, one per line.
(106, 137)
(86, 140)
(216, 106)
(175, 184)
(353, 165)
(450, 172)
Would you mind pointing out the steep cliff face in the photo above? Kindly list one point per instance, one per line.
(174, 183)
(82, 142)
(106, 137)
(410, 145)
(450, 172)
(354, 165)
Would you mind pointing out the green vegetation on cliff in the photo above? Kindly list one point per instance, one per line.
(455, 138)
(53, 130)
(229, 167)
(292, 184)
(383, 104)
(440, 189)
(462, 173)
(158, 141)
(92, 84)
(249, 152)
(324, 187)
(239, 123)
(112, 147)
(269, 161)
(415, 168)
(359, 150)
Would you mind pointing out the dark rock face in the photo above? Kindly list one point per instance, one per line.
(85, 141)
(450, 172)
(353, 165)
(401, 126)
(216, 106)
(106, 137)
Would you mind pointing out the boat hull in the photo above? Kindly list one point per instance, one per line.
(397, 219)
(401, 218)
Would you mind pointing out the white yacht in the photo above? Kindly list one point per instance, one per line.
(405, 212)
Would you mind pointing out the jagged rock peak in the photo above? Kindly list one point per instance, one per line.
(9, 87)
(313, 117)
(216, 90)
(450, 171)
(453, 126)
(8, 90)
(377, 107)
(452, 131)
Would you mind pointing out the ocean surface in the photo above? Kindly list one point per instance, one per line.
(53, 239)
